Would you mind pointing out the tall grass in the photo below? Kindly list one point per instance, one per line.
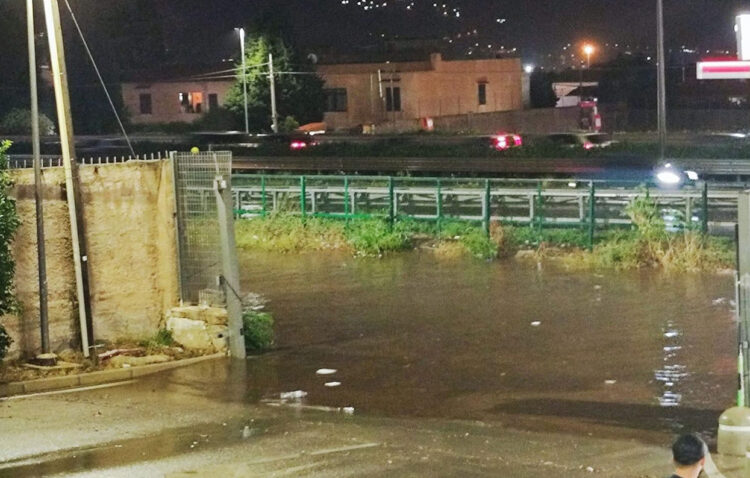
(647, 244)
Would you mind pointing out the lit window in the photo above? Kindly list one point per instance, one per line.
(191, 102)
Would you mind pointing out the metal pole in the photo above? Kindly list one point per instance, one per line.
(263, 196)
(439, 202)
(704, 218)
(272, 79)
(302, 196)
(592, 214)
(38, 193)
(244, 77)
(67, 145)
(661, 79)
(391, 208)
(230, 270)
(487, 214)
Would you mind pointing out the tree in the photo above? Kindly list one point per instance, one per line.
(299, 91)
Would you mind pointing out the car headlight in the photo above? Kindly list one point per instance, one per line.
(668, 177)
(692, 175)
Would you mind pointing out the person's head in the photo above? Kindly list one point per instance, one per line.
(688, 451)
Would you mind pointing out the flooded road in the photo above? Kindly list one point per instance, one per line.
(629, 354)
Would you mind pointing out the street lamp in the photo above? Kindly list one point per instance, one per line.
(244, 75)
(588, 50)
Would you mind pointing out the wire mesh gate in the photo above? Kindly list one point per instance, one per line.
(198, 233)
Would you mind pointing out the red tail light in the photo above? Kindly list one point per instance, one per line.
(517, 140)
(298, 145)
(588, 145)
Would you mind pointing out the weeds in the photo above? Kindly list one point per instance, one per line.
(258, 330)
(162, 338)
(647, 244)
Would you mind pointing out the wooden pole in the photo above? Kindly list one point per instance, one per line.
(67, 144)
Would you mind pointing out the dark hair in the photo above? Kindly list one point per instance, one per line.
(687, 450)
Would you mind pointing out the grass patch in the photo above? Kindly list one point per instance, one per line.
(258, 330)
(646, 244)
(162, 338)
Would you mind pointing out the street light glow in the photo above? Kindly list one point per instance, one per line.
(528, 69)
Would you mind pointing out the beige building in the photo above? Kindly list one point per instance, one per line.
(372, 93)
(166, 101)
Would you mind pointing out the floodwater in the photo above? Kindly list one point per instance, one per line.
(628, 354)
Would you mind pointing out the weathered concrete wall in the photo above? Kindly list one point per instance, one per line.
(534, 121)
(131, 248)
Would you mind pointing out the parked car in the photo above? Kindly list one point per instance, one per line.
(503, 141)
(581, 140)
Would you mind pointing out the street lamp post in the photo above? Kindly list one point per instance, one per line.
(661, 79)
(244, 77)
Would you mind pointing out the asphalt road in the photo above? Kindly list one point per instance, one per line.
(205, 421)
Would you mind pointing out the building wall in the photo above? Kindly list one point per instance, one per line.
(130, 234)
(435, 88)
(165, 104)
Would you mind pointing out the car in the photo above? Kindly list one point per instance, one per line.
(503, 141)
(581, 140)
(669, 175)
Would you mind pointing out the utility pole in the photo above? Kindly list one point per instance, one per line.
(274, 116)
(661, 79)
(38, 193)
(67, 145)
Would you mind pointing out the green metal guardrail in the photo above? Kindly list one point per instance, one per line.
(540, 204)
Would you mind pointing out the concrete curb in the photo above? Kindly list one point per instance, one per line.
(96, 378)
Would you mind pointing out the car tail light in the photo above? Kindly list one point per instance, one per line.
(588, 145)
(517, 140)
(501, 143)
(298, 145)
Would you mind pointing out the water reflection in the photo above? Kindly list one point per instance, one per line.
(411, 335)
(672, 372)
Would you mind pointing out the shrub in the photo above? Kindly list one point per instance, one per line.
(289, 124)
(8, 224)
(258, 328)
(18, 121)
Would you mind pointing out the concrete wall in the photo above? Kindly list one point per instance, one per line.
(132, 257)
(165, 104)
(535, 121)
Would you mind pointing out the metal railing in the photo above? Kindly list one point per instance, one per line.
(541, 203)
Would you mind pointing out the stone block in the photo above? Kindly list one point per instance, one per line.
(210, 315)
(51, 383)
(218, 335)
(191, 334)
(125, 361)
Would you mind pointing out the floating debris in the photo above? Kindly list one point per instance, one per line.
(332, 384)
(610, 382)
(536, 323)
(326, 371)
(292, 395)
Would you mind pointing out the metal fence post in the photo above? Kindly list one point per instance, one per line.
(302, 196)
(592, 214)
(704, 222)
(539, 210)
(346, 198)
(439, 202)
(263, 196)
(391, 209)
(487, 215)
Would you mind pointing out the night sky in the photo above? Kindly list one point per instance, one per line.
(534, 26)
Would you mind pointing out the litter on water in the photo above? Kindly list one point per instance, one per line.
(332, 384)
(325, 371)
(536, 323)
(292, 395)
